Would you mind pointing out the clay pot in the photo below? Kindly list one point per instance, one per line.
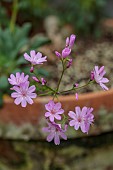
(32, 113)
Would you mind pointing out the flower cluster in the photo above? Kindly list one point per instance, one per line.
(57, 121)
(23, 93)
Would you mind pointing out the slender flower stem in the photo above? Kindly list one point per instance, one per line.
(45, 84)
(14, 15)
(60, 77)
(44, 94)
(50, 88)
(76, 88)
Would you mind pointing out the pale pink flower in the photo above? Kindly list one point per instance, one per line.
(18, 79)
(24, 94)
(54, 111)
(55, 132)
(35, 58)
(98, 75)
(81, 118)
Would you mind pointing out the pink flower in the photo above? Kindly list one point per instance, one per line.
(98, 76)
(55, 132)
(18, 79)
(81, 118)
(35, 58)
(54, 110)
(24, 94)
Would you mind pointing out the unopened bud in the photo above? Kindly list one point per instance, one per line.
(69, 63)
(67, 41)
(72, 40)
(92, 75)
(32, 69)
(43, 81)
(66, 52)
(76, 85)
(76, 96)
(36, 79)
(58, 54)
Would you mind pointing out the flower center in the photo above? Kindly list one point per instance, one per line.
(53, 111)
(79, 119)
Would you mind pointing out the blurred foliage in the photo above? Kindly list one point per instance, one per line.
(83, 15)
(12, 47)
(35, 7)
(4, 21)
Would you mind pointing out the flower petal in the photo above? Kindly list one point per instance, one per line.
(47, 114)
(23, 103)
(72, 114)
(72, 123)
(56, 139)
(18, 100)
(50, 136)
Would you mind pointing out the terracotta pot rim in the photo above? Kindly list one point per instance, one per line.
(82, 96)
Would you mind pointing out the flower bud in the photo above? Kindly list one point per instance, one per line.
(31, 69)
(76, 96)
(69, 63)
(67, 41)
(58, 54)
(92, 75)
(72, 40)
(43, 81)
(76, 85)
(36, 79)
(66, 52)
